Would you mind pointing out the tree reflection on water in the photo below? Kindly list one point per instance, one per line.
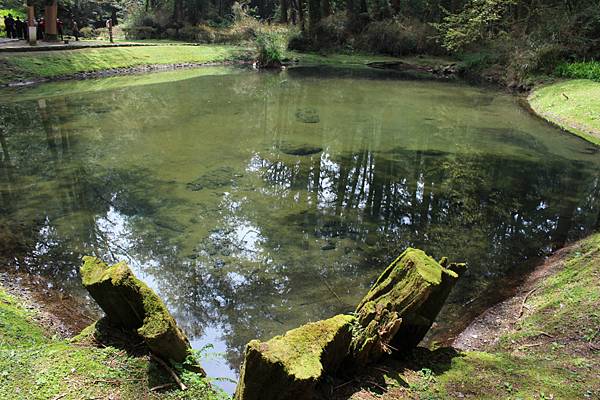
(264, 241)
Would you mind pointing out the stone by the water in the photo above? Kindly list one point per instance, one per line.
(307, 115)
(214, 179)
(300, 150)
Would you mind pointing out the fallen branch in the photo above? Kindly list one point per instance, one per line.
(333, 292)
(376, 385)
(159, 387)
(182, 386)
(60, 396)
(525, 300)
(111, 381)
(525, 346)
(342, 385)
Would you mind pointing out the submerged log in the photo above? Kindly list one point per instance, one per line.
(131, 304)
(402, 304)
(289, 367)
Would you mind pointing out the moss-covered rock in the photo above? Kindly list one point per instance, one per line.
(402, 304)
(131, 304)
(290, 366)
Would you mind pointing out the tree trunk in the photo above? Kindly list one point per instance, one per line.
(113, 17)
(325, 8)
(284, 12)
(314, 14)
(402, 305)
(301, 15)
(51, 14)
(289, 367)
(130, 304)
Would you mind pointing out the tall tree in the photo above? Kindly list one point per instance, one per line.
(283, 18)
(314, 13)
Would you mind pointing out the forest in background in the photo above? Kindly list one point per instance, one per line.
(508, 41)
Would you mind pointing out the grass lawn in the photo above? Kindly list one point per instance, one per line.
(574, 105)
(15, 66)
(51, 64)
(35, 365)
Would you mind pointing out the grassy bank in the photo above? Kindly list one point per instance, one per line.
(36, 365)
(52, 64)
(573, 105)
(551, 351)
(63, 63)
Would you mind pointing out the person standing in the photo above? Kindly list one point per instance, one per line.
(10, 27)
(59, 28)
(18, 28)
(76, 30)
(109, 26)
(42, 29)
(6, 28)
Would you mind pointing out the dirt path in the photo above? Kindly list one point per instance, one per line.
(485, 331)
(59, 313)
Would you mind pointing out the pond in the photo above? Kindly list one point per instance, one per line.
(256, 202)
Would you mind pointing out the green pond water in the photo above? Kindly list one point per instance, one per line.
(256, 202)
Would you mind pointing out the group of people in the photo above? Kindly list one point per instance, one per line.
(17, 29)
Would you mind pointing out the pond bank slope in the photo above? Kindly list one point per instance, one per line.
(98, 62)
(542, 344)
(37, 364)
(573, 105)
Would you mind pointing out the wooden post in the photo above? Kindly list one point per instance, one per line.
(31, 29)
(51, 15)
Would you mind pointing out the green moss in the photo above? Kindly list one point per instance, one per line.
(36, 366)
(573, 105)
(86, 334)
(16, 330)
(158, 319)
(95, 270)
(300, 349)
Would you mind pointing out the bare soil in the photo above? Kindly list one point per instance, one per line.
(485, 331)
(55, 311)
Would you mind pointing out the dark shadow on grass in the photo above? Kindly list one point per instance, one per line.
(107, 334)
(388, 374)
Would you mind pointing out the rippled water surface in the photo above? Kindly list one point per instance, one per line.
(256, 202)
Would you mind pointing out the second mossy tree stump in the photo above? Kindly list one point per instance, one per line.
(401, 306)
(289, 367)
(131, 304)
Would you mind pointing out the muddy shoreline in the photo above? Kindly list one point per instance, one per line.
(485, 330)
(59, 313)
(137, 70)
(437, 72)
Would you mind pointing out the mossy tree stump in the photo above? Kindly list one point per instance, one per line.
(131, 304)
(289, 367)
(402, 305)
